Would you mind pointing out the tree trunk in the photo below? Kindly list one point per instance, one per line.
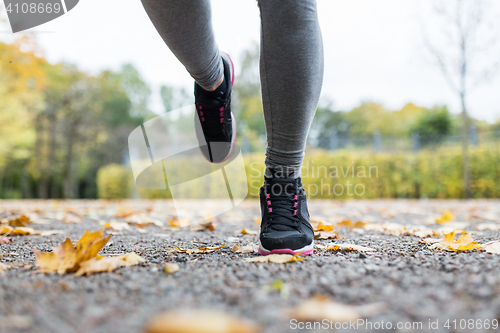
(465, 148)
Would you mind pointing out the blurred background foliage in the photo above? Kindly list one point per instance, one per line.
(63, 134)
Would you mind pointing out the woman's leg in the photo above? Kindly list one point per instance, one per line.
(291, 67)
(186, 28)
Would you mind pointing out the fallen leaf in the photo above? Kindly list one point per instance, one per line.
(17, 221)
(115, 225)
(171, 268)
(5, 240)
(143, 220)
(446, 217)
(275, 258)
(324, 227)
(122, 212)
(66, 258)
(345, 247)
(108, 264)
(326, 235)
(179, 223)
(202, 226)
(249, 232)
(492, 247)
(71, 218)
(463, 243)
(349, 224)
(201, 250)
(319, 308)
(249, 248)
(257, 220)
(25, 231)
(195, 321)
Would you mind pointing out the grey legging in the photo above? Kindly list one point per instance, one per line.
(291, 64)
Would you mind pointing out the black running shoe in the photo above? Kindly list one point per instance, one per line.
(285, 226)
(215, 126)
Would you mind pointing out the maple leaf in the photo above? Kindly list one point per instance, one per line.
(345, 247)
(5, 240)
(108, 264)
(276, 258)
(463, 243)
(201, 250)
(67, 258)
(249, 232)
(18, 221)
(249, 248)
(195, 321)
(446, 217)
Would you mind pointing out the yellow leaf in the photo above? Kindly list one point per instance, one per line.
(67, 258)
(249, 248)
(175, 222)
(446, 217)
(171, 268)
(108, 264)
(249, 232)
(257, 220)
(19, 221)
(115, 225)
(345, 247)
(324, 227)
(275, 258)
(196, 321)
(201, 250)
(319, 308)
(463, 243)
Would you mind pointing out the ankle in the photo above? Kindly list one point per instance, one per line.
(216, 85)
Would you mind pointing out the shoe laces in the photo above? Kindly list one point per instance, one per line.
(211, 113)
(282, 197)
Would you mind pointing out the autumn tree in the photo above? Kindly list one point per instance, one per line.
(462, 49)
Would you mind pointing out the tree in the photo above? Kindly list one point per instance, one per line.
(434, 125)
(461, 50)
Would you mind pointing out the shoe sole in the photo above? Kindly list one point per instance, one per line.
(233, 139)
(306, 250)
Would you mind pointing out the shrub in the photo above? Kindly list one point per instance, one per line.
(114, 182)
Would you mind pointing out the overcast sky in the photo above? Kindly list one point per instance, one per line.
(372, 49)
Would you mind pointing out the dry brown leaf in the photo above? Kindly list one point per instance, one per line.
(463, 243)
(115, 225)
(326, 235)
(171, 268)
(202, 226)
(143, 220)
(108, 264)
(179, 223)
(275, 258)
(67, 258)
(201, 250)
(446, 217)
(17, 221)
(249, 248)
(345, 247)
(5, 240)
(196, 321)
(249, 232)
(319, 308)
(492, 247)
(122, 212)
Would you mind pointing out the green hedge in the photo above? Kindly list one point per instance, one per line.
(114, 181)
(328, 174)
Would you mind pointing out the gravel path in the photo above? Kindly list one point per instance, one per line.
(415, 284)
